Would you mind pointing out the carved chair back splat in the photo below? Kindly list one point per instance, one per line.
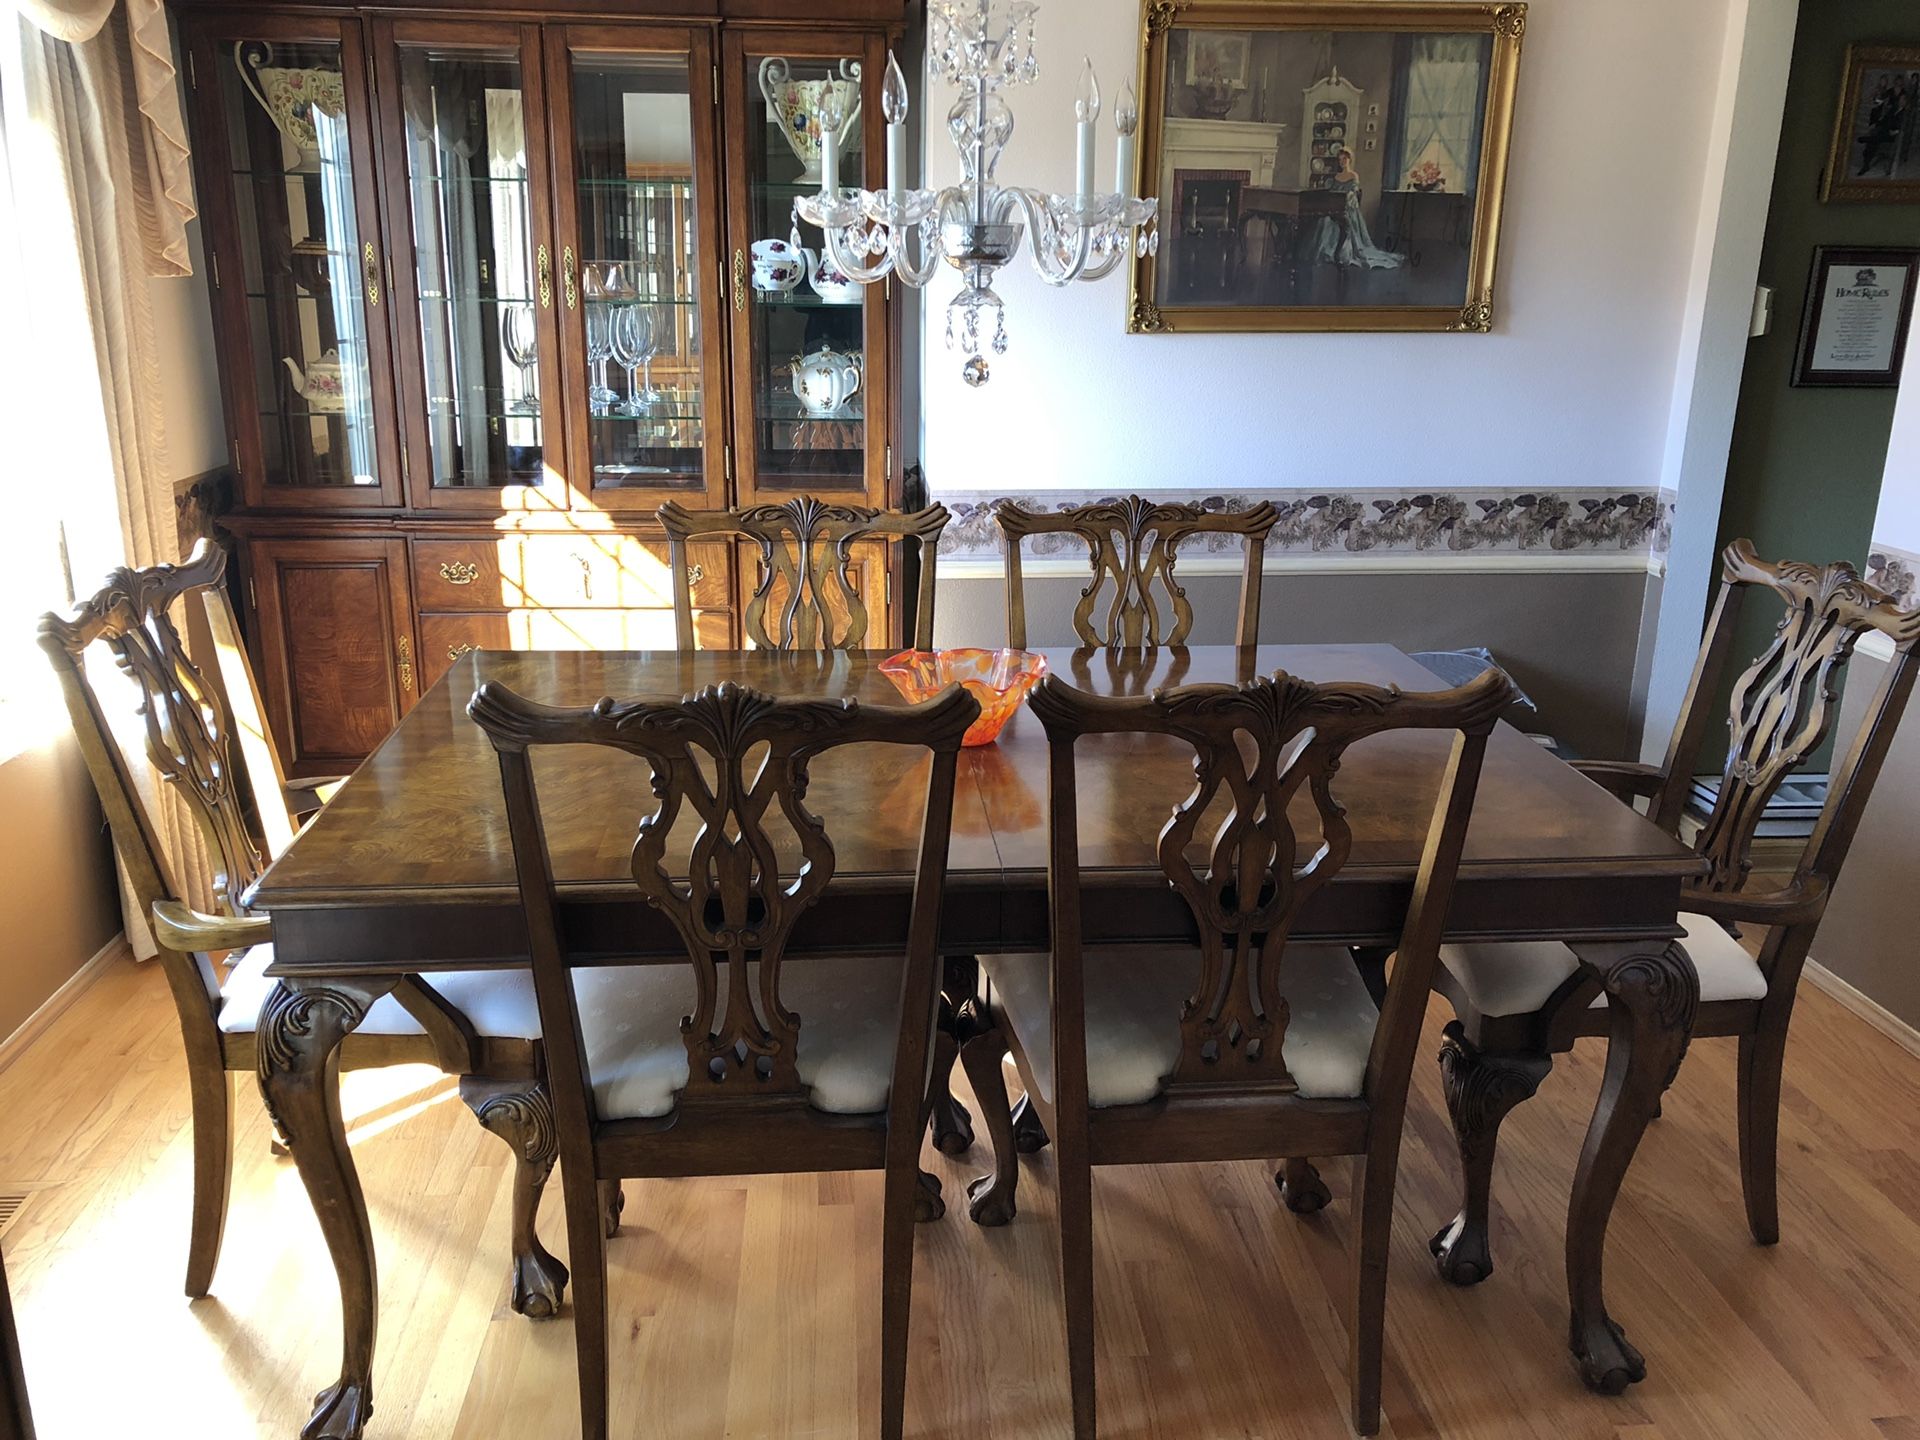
(806, 557)
(1132, 546)
(733, 898)
(1262, 746)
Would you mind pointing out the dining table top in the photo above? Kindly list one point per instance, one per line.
(411, 860)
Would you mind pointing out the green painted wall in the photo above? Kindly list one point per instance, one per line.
(1803, 477)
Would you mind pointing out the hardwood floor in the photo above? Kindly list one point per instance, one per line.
(748, 1308)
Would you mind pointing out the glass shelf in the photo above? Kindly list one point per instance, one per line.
(637, 186)
(657, 416)
(785, 408)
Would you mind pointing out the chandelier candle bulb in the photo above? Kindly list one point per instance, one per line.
(893, 106)
(1086, 110)
(1126, 120)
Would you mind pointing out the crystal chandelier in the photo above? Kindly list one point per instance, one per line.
(981, 46)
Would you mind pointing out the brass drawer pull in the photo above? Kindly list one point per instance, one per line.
(459, 572)
(404, 645)
(454, 652)
(567, 268)
(370, 272)
(544, 260)
(696, 573)
(740, 280)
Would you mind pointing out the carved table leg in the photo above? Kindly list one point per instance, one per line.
(992, 1197)
(300, 1030)
(952, 1125)
(1481, 1088)
(1301, 1189)
(613, 1200)
(1652, 995)
(520, 1112)
(1029, 1135)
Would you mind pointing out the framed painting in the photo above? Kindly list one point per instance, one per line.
(1876, 136)
(1324, 164)
(1859, 305)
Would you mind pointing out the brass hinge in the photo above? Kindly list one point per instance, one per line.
(889, 460)
(406, 465)
(889, 289)
(716, 82)
(253, 596)
(728, 452)
(193, 80)
(213, 266)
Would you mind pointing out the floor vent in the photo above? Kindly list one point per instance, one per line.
(11, 1202)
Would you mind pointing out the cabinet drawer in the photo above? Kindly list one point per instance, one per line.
(445, 638)
(617, 572)
(464, 574)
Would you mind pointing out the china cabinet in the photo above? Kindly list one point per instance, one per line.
(486, 295)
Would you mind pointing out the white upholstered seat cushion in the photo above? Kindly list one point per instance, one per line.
(1517, 978)
(1133, 1019)
(497, 1003)
(849, 1027)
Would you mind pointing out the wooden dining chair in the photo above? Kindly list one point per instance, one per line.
(775, 1068)
(804, 596)
(1246, 1045)
(1519, 1004)
(1132, 545)
(483, 1026)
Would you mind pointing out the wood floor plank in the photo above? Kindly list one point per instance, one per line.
(750, 1307)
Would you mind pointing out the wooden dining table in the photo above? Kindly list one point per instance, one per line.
(409, 870)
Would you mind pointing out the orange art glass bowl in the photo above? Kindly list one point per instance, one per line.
(999, 680)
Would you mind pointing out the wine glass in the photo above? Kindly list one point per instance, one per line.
(599, 322)
(522, 345)
(656, 325)
(634, 346)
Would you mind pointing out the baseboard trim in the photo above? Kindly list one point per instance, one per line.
(1866, 1007)
(56, 1004)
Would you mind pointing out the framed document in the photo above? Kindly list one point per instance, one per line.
(1858, 305)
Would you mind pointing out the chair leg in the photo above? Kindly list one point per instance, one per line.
(1076, 1275)
(1301, 1188)
(896, 1295)
(1481, 1089)
(521, 1114)
(212, 1172)
(587, 1243)
(991, 1198)
(613, 1200)
(1029, 1134)
(1762, 1057)
(1373, 1178)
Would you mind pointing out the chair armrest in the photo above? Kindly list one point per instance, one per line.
(1801, 901)
(178, 927)
(304, 797)
(1626, 779)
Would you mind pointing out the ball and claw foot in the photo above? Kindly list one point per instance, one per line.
(1029, 1135)
(952, 1126)
(1301, 1189)
(927, 1204)
(340, 1412)
(539, 1283)
(1607, 1362)
(1461, 1253)
(990, 1207)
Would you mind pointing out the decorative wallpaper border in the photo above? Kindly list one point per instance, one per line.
(1895, 571)
(1383, 523)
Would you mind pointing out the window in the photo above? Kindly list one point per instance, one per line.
(1441, 122)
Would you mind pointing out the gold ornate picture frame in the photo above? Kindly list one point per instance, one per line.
(1875, 156)
(1350, 175)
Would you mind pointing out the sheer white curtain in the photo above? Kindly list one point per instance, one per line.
(97, 158)
(1443, 98)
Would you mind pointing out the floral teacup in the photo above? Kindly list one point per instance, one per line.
(777, 265)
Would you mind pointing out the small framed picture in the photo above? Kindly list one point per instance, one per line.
(1876, 136)
(1221, 58)
(1859, 303)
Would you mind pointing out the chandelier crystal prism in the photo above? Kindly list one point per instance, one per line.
(978, 226)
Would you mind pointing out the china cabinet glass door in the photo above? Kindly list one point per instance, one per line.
(811, 347)
(635, 157)
(295, 255)
(466, 170)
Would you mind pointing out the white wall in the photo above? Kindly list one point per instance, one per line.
(1897, 521)
(1574, 388)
